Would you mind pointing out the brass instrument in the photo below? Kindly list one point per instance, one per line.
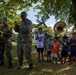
(16, 26)
(1, 33)
(60, 28)
(74, 29)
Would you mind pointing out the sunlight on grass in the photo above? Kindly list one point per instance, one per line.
(64, 69)
(33, 73)
(40, 68)
(47, 70)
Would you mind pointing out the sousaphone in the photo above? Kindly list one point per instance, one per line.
(60, 28)
(74, 28)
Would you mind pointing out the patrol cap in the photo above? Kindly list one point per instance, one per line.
(23, 13)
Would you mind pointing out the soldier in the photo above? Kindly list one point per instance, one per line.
(7, 33)
(1, 49)
(24, 40)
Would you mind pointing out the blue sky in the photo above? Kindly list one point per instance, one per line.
(31, 16)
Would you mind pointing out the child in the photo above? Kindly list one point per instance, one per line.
(48, 42)
(54, 50)
(73, 48)
(40, 43)
(65, 46)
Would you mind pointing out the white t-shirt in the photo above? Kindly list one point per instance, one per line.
(40, 41)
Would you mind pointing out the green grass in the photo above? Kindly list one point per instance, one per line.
(40, 68)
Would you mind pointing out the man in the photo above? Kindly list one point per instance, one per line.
(1, 49)
(7, 33)
(24, 40)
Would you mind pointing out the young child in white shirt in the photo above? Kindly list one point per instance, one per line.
(40, 43)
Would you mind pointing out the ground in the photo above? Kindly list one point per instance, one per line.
(40, 68)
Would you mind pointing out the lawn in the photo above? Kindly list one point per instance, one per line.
(40, 68)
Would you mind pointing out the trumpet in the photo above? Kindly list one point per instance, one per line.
(74, 29)
(1, 33)
(16, 26)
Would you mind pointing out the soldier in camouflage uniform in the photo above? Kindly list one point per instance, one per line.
(24, 40)
(7, 33)
(1, 49)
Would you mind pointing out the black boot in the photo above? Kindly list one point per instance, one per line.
(30, 67)
(1, 60)
(2, 63)
(10, 65)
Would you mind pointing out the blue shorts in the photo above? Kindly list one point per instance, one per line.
(73, 53)
(48, 52)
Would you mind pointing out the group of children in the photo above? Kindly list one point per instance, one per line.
(53, 47)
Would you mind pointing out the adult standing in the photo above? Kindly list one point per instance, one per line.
(7, 33)
(24, 40)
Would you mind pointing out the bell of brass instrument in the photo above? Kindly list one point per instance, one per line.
(74, 28)
(60, 28)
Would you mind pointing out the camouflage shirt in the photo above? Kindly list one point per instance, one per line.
(25, 31)
(7, 33)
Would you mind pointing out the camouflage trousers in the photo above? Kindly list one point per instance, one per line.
(1, 55)
(7, 51)
(24, 48)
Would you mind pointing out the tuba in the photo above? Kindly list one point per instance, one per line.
(74, 29)
(60, 28)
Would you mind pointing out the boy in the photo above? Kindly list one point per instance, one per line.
(73, 48)
(54, 50)
(40, 43)
(48, 42)
(65, 46)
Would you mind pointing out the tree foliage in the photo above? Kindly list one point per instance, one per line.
(9, 9)
(46, 30)
(62, 9)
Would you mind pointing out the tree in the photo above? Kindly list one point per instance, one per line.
(62, 10)
(9, 9)
(46, 30)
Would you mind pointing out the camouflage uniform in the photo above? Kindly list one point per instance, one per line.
(24, 41)
(7, 33)
(1, 50)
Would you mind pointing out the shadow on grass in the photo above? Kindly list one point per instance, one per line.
(40, 68)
